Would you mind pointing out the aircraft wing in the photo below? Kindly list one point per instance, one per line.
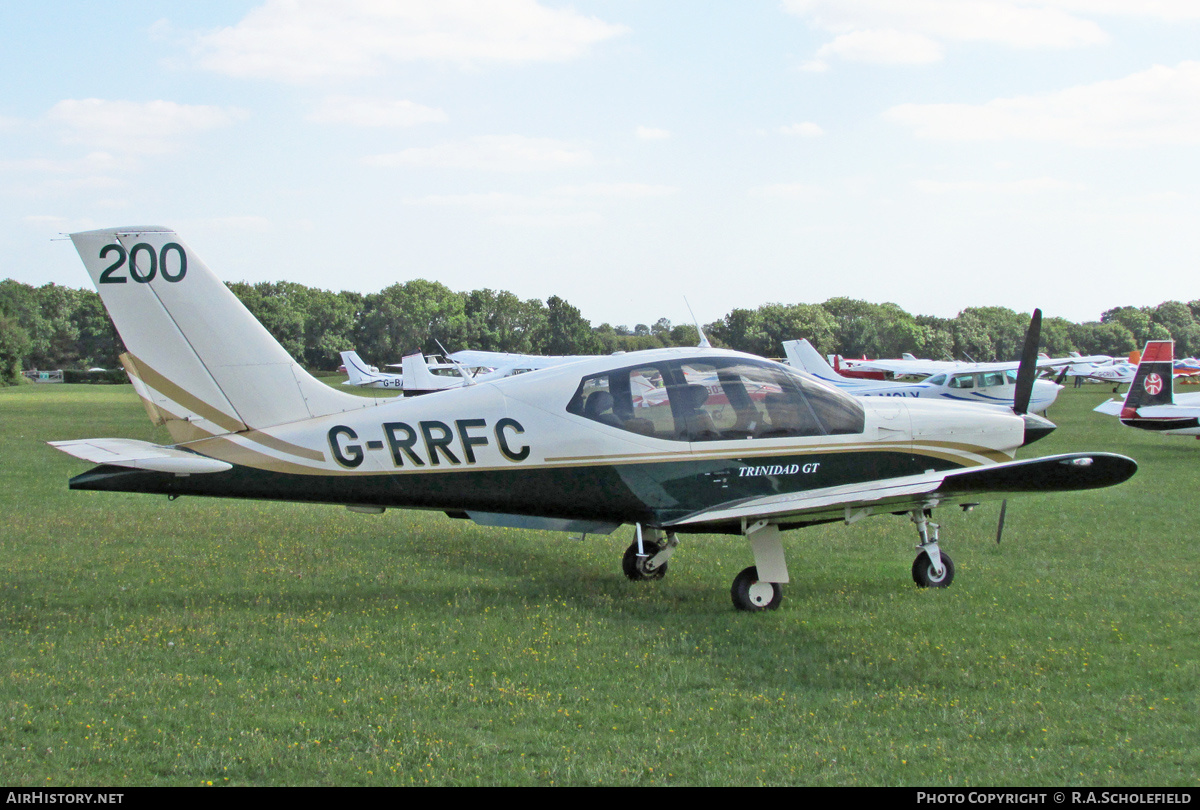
(141, 456)
(930, 367)
(481, 359)
(1069, 472)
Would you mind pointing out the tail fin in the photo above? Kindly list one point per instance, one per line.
(802, 355)
(418, 379)
(358, 372)
(202, 362)
(1153, 384)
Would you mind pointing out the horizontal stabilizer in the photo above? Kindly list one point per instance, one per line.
(141, 456)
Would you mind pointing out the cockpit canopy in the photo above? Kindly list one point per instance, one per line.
(715, 399)
(978, 379)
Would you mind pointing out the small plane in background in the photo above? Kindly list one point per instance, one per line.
(914, 367)
(1151, 402)
(420, 376)
(1121, 371)
(1115, 370)
(982, 383)
(417, 375)
(673, 441)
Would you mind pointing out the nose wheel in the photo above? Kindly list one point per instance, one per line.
(926, 575)
(933, 567)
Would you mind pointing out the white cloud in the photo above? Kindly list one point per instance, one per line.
(882, 48)
(129, 127)
(804, 129)
(1157, 9)
(653, 134)
(623, 191)
(1155, 107)
(305, 40)
(555, 198)
(787, 191)
(360, 111)
(1033, 185)
(508, 153)
(914, 31)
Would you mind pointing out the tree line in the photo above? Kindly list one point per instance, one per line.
(53, 327)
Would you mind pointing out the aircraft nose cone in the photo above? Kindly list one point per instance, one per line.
(1036, 427)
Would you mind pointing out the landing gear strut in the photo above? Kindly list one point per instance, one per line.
(933, 568)
(646, 558)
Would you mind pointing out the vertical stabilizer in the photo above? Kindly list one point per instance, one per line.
(1153, 384)
(801, 354)
(197, 356)
(358, 372)
(418, 379)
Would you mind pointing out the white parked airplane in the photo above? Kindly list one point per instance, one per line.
(980, 383)
(673, 441)
(1151, 402)
(419, 376)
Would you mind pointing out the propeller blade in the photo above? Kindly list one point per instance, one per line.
(1028, 368)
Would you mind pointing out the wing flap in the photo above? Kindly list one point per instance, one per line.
(141, 456)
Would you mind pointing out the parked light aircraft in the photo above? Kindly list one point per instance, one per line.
(981, 383)
(587, 446)
(1151, 402)
(418, 376)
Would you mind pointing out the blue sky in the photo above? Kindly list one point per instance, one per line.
(939, 154)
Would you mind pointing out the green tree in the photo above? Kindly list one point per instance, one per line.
(567, 331)
(411, 317)
(14, 345)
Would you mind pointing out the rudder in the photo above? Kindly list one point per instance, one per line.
(1153, 383)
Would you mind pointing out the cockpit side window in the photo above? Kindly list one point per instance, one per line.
(962, 381)
(633, 399)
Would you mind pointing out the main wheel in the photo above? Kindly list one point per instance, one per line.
(635, 566)
(923, 573)
(750, 593)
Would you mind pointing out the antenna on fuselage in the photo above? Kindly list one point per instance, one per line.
(704, 344)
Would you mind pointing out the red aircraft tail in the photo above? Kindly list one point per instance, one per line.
(1153, 382)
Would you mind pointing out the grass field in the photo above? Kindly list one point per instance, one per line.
(147, 642)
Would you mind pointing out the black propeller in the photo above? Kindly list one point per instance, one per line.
(1036, 427)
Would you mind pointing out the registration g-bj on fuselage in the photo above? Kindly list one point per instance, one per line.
(672, 441)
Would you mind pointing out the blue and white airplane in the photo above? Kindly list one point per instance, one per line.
(982, 383)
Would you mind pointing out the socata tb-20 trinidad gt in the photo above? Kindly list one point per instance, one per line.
(673, 441)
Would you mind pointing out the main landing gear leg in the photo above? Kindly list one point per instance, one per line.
(646, 558)
(933, 568)
(758, 587)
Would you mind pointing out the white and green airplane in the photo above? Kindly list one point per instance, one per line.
(672, 441)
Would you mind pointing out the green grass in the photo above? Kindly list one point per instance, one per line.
(147, 642)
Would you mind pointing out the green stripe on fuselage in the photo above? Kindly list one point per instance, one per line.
(651, 493)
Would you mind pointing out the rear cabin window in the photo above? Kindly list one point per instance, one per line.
(714, 400)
